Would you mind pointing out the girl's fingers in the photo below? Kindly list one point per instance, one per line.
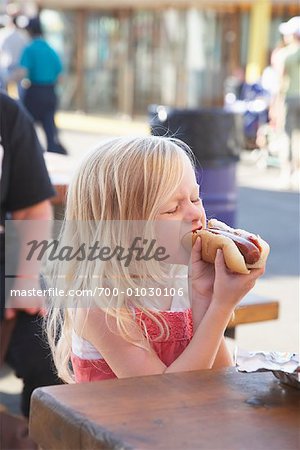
(256, 273)
(219, 261)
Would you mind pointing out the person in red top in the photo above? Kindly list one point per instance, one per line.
(135, 301)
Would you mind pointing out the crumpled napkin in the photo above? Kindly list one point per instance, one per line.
(264, 361)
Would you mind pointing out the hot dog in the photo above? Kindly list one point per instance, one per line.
(242, 250)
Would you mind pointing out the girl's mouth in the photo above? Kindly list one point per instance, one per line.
(188, 235)
(197, 229)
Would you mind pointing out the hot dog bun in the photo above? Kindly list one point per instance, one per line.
(233, 256)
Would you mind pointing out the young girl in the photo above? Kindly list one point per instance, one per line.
(125, 317)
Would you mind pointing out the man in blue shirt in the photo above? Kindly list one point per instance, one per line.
(42, 67)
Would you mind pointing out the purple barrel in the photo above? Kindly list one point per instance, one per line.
(219, 192)
(215, 136)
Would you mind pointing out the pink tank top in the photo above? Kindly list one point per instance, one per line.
(88, 364)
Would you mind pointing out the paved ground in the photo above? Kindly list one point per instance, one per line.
(264, 206)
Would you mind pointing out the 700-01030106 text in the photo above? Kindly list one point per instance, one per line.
(140, 292)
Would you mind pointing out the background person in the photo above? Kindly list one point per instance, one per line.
(12, 43)
(41, 66)
(291, 89)
(25, 193)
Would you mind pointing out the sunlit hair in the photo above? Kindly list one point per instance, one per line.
(122, 182)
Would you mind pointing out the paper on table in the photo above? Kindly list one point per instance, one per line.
(264, 361)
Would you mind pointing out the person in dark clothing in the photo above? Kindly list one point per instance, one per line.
(25, 193)
(41, 66)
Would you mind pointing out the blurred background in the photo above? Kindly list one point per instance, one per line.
(120, 56)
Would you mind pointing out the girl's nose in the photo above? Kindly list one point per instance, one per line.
(194, 212)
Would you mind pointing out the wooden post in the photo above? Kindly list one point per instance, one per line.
(258, 39)
(126, 71)
(81, 23)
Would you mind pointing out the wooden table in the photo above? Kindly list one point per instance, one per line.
(193, 410)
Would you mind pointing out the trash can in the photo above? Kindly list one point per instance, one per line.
(215, 136)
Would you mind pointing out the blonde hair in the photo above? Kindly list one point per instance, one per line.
(124, 181)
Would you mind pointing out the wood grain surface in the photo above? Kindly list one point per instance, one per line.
(193, 410)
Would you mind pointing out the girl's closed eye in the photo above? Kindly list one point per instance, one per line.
(196, 200)
(172, 211)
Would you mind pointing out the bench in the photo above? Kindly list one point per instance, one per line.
(253, 308)
(60, 168)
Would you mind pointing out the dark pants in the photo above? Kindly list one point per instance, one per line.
(30, 357)
(41, 102)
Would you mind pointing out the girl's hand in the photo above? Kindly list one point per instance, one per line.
(229, 288)
(201, 274)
